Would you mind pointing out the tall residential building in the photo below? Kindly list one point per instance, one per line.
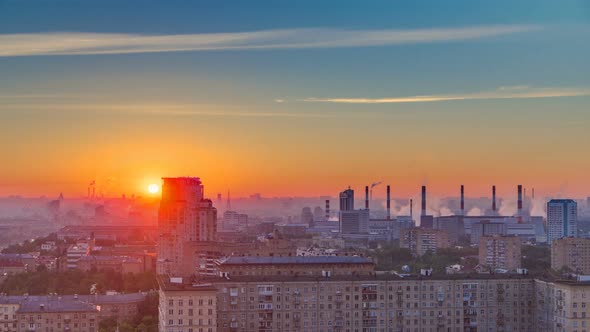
(347, 200)
(562, 219)
(571, 253)
(184, 216)
(500, 252)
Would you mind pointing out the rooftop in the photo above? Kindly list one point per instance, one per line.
(72, 300)
(236, 260)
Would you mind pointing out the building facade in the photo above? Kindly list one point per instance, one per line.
(500, 252)
(562, 219)
(571, 253)
(354, 222)
(423, 240)
(184, 216)
(358, 304)
(347, 200)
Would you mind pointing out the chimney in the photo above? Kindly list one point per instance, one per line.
(533, 194)
(519, 199)
(519, 212)
(327, 209)
(494, 200)
(462, 200)
(388, 203)
(367, 197)
(423, 201)
(411, 209)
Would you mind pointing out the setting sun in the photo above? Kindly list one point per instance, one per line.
(153, 188)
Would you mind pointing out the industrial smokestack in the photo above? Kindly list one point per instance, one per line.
(327, 209)
(519, 199)
(533, 196)
(519, 212)
(411, 209)
(494, 199)
(367, 197)
(462, 200)
(423, 201)
(388, 203)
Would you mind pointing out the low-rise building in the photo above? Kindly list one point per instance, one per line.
(121, 264)
(57, 314)
(314, 266)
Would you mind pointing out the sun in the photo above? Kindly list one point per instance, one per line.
(153, 188)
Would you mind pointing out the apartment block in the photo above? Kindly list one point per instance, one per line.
(353, 304)
(423, 240)
(571, 253)
(500, 252)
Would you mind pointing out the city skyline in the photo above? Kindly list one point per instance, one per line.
(295, 100)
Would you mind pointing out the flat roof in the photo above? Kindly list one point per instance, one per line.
(265, 260)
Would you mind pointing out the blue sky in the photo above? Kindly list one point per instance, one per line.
(499, 72)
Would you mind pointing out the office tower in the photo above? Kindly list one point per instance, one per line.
(184, 216)
(347, 200)
(500, 252)
(562, 219)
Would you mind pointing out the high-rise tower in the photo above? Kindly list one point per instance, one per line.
(184, 216)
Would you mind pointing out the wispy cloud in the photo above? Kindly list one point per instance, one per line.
(159, 109)
(77, 43)
(509, 92)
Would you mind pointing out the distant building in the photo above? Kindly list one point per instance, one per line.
(500, 252)
(121, 264)
(423, 240)
(354, 221)
(571, 253)
(306, 216)
(184, 216)
(347, 200)
(562, 219)
(426, 221)
(486, 228)
(452, 225)
(293, 266)
(233, 220)
(75, 253)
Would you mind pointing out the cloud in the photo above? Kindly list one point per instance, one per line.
(78, 43)
(155, 109)
(516, 92)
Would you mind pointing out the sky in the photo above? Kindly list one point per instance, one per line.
(290, 98)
